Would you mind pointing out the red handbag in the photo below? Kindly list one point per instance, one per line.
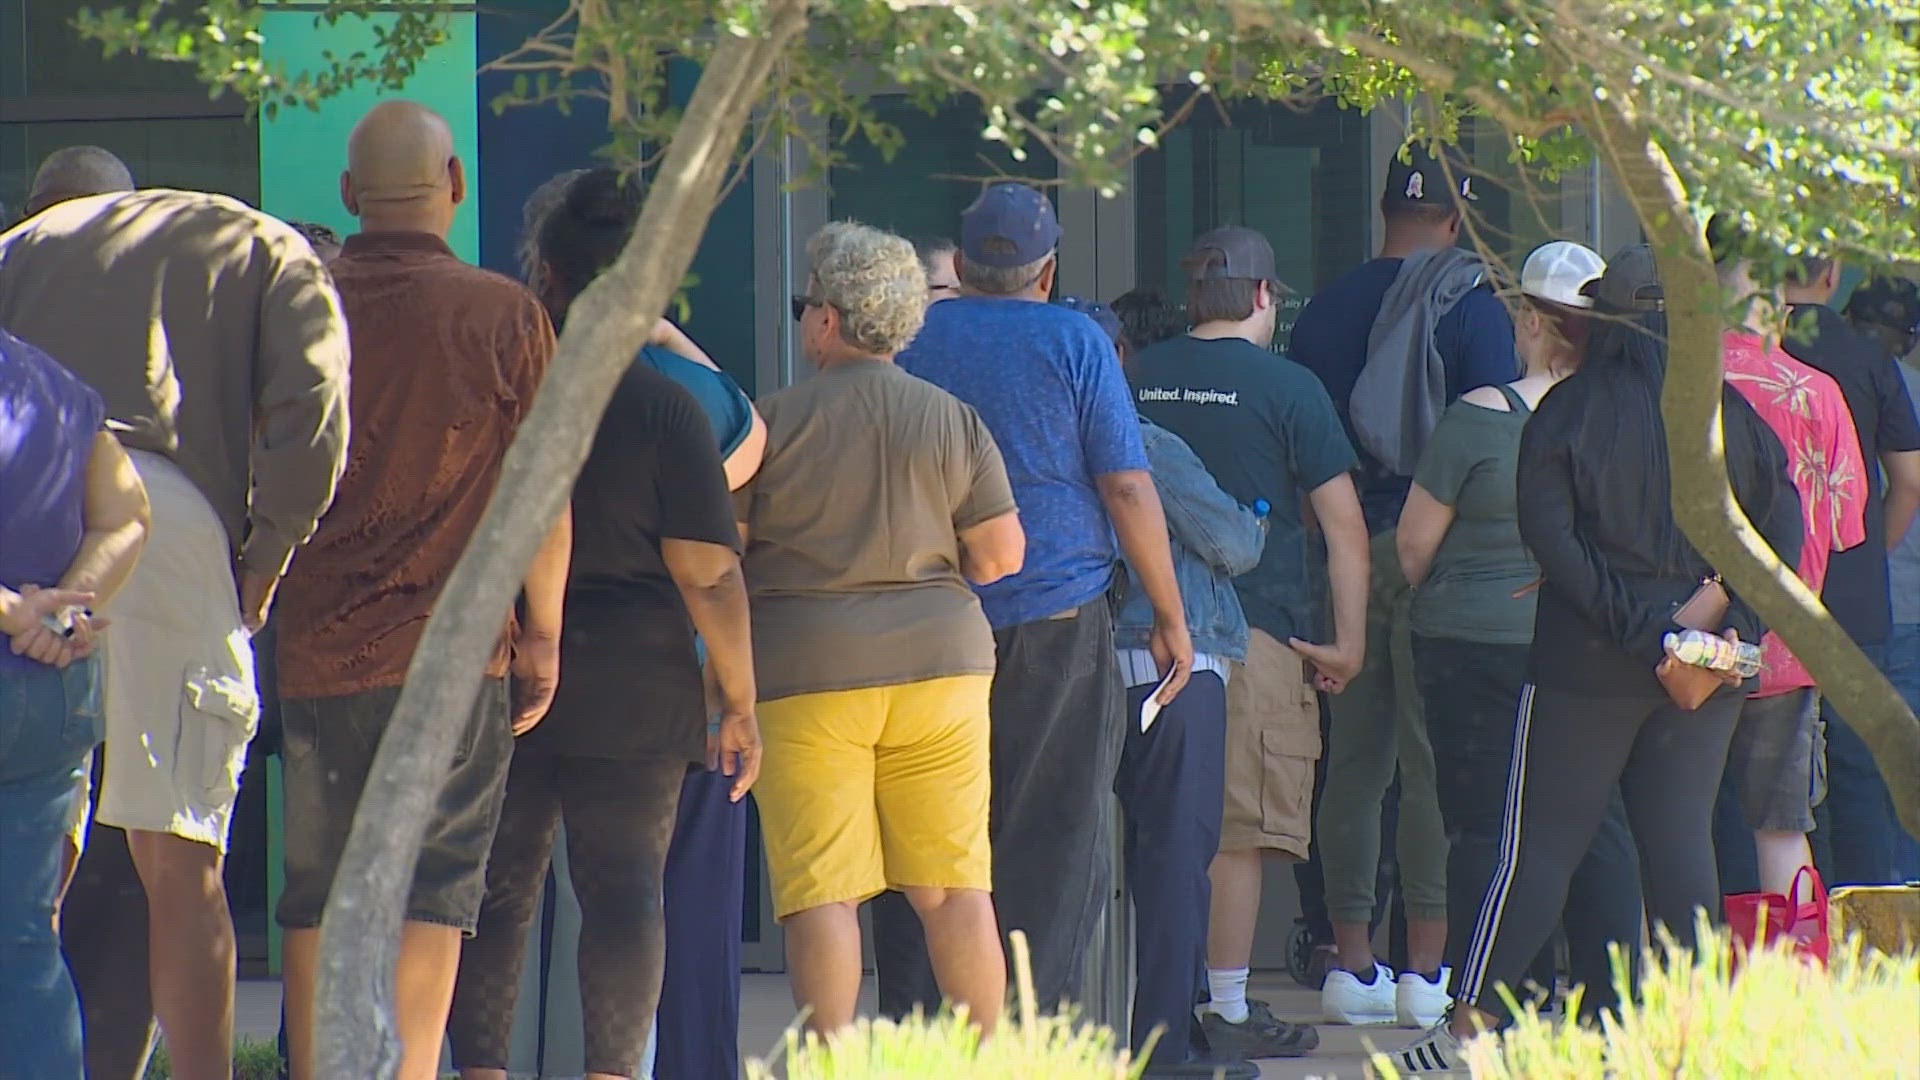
(1763, 920)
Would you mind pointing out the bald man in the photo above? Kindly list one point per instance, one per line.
(74, 173)
(446, 359)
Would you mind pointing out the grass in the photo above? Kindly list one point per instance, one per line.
(1692, 1019)
(1026, 1047)
(252, 1060)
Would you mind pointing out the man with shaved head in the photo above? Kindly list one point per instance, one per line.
(446, 359)
(76, 172)
(214, 338)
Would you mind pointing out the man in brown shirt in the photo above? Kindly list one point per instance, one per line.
(446, 357)
(217, 343)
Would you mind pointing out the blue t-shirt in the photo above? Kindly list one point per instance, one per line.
(48, 420)
(1048, 385)
(1265, 430)
(729, 411)
(1475, 342)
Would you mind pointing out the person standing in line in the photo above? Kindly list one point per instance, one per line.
(1594, 494)
(696, 1026)
(1775, 746)
(1472, 621)
(1376, 723)
(875, 663)
(1266, 431)
(1044, 381)
(1859, 840)
(936, 258)
(1146, 319)
(1889, 311)
(72, 523)
(1172, 771)
(654, 562)
(239, 442)
(446, 358)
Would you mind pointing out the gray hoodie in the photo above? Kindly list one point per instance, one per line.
(1402, 390)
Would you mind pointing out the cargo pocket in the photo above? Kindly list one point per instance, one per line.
(1290, 743)
(218, 716)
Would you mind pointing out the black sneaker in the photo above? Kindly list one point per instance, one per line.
(1260, 1035)
(1204, 1068)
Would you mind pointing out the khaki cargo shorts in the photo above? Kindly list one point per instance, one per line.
(179, 699)
(1273, 740)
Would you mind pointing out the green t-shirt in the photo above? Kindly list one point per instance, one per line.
(1469, 464)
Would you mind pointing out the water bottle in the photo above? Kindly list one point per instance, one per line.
(1261, 508)
(1711, 651)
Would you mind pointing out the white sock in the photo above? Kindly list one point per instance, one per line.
(1227, 987)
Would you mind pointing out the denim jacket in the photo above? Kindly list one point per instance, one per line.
(1214, 539)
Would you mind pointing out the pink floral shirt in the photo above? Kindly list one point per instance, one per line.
(1805, 408)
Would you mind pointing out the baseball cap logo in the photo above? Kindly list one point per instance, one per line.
(1466, 189)
(1416, 185)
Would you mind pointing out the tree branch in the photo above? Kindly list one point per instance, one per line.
(1703, 502)
(360, 931)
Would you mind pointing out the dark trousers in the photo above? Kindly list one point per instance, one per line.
(1570, 752)
(1170, 784)
(699, 1017)
(620, 817)
(1056, 708)
(1856, 831)
(1471, 694)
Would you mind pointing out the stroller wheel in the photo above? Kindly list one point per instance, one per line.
(1306, 958)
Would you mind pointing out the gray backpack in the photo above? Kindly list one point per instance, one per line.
(1402, 390)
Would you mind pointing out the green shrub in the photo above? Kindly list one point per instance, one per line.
(252, 1060)
(1023, 1048)
(1780, 1019)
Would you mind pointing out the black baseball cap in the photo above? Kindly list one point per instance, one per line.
(1009, 225)
(1632, 281)
(1230, 252)
(1891, 302)
(1423, 180)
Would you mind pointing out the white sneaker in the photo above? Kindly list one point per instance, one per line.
(1347, 1000)
(1437, 1053)
(1419, 1003)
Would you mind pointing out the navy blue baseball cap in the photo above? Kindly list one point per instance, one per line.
(1101, 314)
(1009, 225)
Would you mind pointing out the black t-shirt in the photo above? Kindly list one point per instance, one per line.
(629, 677)
(1856, 588)
(1264, 428)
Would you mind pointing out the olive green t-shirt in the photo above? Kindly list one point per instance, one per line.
(853, 523)
(1469, 464)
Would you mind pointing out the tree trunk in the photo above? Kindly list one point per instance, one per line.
(355, 1033)
(1703, 502)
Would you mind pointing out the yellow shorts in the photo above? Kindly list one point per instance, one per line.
(881, 788)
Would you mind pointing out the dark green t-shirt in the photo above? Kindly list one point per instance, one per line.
(1265, 428)
(1469, 465)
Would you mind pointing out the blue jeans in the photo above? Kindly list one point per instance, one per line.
(1903, 670)
(1858, 839)
(49, 721)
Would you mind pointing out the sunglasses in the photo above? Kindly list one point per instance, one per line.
(801, 304)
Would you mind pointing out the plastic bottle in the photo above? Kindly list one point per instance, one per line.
(1711, 651)
(1261, 508)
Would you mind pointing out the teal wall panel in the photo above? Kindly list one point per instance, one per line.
(302, 151)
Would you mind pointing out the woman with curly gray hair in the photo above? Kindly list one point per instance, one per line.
(880, 499)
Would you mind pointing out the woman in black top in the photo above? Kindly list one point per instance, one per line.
(655, 559)
(1594, 503)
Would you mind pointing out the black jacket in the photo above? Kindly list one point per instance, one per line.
(1594, 508)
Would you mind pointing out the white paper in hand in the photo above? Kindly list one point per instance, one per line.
(1150, 708)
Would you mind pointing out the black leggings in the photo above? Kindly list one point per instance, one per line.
(1570, 751)
(1469, 693)
(619, 817)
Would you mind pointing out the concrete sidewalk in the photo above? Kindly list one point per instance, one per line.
(766, 1008)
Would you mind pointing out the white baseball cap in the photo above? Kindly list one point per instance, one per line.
(1563, 272)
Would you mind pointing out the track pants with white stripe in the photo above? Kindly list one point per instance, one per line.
(1569, 751)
